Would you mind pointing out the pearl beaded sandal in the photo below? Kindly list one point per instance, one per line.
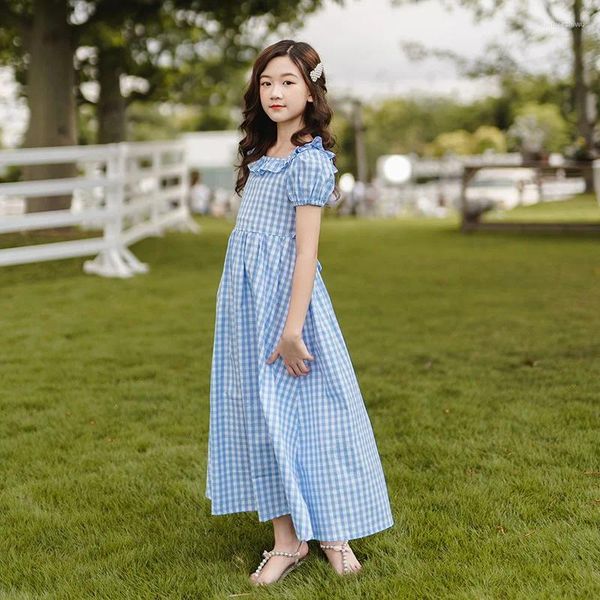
(343, 548)
(269, 553)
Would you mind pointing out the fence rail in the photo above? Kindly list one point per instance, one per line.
(128, 191)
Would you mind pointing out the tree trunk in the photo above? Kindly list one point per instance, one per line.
(584, 126)
(111, 104)
(50, 92)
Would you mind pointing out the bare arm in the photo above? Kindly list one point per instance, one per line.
(311, 182)
(291, 346)
(308, 226)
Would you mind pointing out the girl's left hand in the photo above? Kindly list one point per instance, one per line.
(293, 352)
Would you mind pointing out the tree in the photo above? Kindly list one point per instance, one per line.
(582, 13)
(44, 45)
(460, 141)
(576, 17)
(488, 138)
(182, 50)
(539, 128)
(453, 142)
(40, 38)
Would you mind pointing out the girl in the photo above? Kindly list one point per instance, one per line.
(290, 441)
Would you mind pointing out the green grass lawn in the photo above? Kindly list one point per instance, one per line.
(479, 360)
(584, 208)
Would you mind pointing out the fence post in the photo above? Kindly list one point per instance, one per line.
(156, 208)
(115, 260)
(123, 254)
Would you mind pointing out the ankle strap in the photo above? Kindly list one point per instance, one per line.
(268, 553)
(283, 553)
(343, 547)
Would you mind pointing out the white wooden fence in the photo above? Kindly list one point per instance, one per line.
(126, 191)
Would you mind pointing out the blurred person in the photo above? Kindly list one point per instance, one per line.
(220, 206)
(200, 194)
(357, 198)
(371, 197)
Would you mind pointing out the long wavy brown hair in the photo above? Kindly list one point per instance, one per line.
(259, 131)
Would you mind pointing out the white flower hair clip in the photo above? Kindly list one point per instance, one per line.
(316, 72)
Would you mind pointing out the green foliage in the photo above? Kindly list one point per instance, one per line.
(158, 121)
(152, 121)
(87, 124)
(430, 126)
(10, 174)
(460, 141)
(539, 127)
(452, 142)
(181, 51)
(345, 148)
(407, 124)
(215, 118)
(488, 138)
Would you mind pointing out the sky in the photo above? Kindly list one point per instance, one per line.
(369, 62)
(359, 45)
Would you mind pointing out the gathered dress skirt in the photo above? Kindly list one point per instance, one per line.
(281, 444)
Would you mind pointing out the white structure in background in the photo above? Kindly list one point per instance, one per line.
(505, 188)
(397, 191)
(433, 187)
(211, 149)
(128, 191)
(214, 154)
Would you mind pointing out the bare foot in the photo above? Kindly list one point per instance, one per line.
(275, 566)
(336, 557)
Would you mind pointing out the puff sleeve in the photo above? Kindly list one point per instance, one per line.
(311, 178)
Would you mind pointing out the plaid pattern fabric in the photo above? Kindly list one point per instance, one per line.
(280, 444)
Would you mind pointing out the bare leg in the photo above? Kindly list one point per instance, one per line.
(336, 557)
(286, 540)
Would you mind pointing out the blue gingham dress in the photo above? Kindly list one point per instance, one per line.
(280, 444)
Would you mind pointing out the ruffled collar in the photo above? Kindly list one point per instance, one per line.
(275, 164)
